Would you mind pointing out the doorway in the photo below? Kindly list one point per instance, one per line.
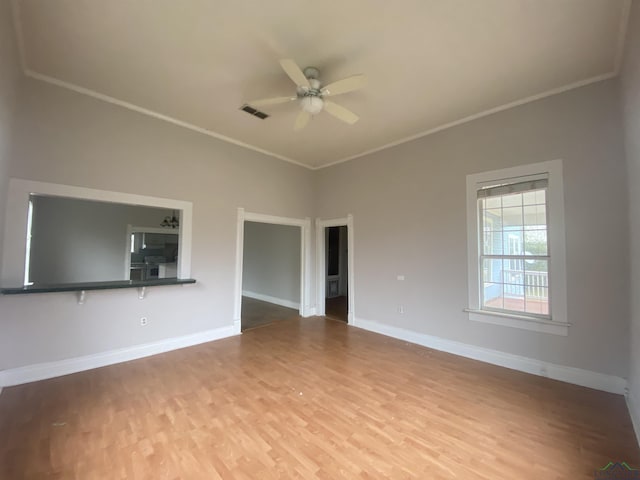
(334, 264)
(336, 292)
(270, 274)
(300, 303)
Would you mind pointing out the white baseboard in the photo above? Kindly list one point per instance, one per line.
(634, 411)
(267, 298)
(42, 371)
(577, 376)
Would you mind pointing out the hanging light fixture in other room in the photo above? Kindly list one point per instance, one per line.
(171, 221)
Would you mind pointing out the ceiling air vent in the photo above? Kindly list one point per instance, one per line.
(253, 111)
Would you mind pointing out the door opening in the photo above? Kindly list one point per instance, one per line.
(268, 274)
(336, 301)
(327, 287)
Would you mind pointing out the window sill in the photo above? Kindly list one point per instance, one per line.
(519, 321)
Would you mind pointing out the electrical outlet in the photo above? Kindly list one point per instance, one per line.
(144, 321)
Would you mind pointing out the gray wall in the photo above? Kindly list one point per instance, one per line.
(9, 78)
(67, 138)
(409, 213)
(271, 263)
(82, 241)
(631, 114)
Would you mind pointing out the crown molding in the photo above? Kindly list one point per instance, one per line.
(211, 133)
(476, 116)
(121, 103)
(160, 116)
(624, 21)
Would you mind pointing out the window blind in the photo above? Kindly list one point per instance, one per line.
(497, 190)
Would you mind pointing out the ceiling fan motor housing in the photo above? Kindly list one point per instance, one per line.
(313, 91)
(311, 98)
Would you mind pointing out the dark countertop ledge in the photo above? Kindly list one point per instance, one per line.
(80, 287)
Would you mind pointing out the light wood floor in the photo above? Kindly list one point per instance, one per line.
(309, 398)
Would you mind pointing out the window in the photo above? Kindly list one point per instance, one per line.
(17, 261)
(513, 251)
(516, 248)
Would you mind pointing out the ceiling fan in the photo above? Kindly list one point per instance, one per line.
(312, 96)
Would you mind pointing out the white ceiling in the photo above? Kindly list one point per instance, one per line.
(430, 63)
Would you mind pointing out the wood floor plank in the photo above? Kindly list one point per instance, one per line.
(309, 398)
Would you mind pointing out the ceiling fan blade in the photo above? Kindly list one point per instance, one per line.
(292, 69)
(301, 120)
(270, 101)
(345, 85)
(340, 112)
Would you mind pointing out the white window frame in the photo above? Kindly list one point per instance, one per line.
(558, 323)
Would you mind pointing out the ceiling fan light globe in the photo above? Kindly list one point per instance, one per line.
(312, 104)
